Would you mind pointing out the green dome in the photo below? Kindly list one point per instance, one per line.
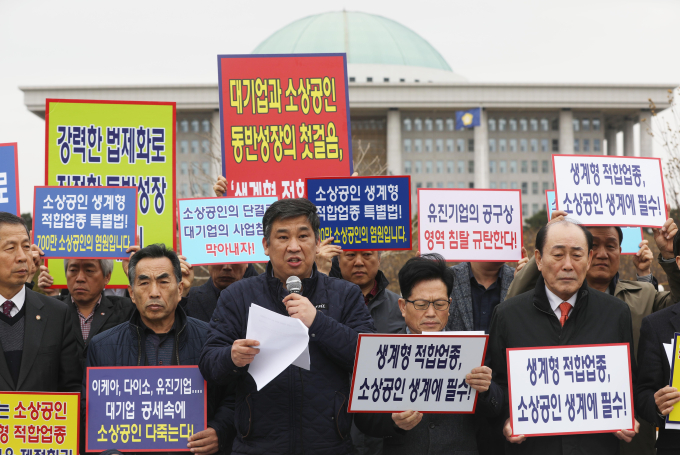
(366, 38)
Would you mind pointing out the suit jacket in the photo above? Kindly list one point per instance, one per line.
(112, 311)
(460, 311)
(49, 362)
(655, 371)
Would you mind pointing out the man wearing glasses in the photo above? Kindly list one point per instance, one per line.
(426, 285)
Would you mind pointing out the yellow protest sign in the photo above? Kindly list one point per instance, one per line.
(674, 416)
(39, 421)
(115, 143)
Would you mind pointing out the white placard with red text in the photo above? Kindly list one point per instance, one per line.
(610, 190)
(470, 224)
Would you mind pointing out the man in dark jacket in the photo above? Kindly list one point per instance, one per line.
(160, 334)
(654, 398)
(427, 281)
(91, 311)
(300, 411)
(562, 310)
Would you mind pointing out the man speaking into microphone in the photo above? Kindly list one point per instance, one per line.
(300, 411)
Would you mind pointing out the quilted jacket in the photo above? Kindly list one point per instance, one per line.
(300, 411)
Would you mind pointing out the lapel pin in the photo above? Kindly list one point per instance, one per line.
(37, 317)
(102, 314)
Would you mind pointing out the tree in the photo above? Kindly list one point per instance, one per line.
(537, 220)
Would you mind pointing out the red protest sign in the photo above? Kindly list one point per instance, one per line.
(283, 118)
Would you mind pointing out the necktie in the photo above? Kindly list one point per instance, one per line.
(564, 309)
(7, 307)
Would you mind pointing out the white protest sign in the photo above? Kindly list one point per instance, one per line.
(570, 389)
(470, 225)
(610, 190)
(426, 373)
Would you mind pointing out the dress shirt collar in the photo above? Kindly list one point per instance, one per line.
(18, 299)
(555, 301)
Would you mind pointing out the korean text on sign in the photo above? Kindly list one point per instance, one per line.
(471, 225)
(570, 389)
(393, 373)
(85, 222)
(39, 423)
(9, 179)
(364, 213)
(222, 230)
(142, 408)
(116, 143)
(611, 190)
(283, 118)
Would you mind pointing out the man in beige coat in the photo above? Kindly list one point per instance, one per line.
(641, 295)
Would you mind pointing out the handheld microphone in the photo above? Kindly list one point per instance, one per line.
(294, 285)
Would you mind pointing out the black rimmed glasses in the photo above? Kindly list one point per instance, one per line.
(423, 305)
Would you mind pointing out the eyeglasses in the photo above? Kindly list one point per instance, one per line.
(423, 305)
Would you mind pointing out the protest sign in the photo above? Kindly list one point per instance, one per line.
(144, 409)
(364, 213)
(283, 118)
(674, 416)
(115, 143)
(570, 389)
(84, 222)
(9, 179)
(222, 230)
(426, 373)
(611, 190)
(485, 226)
(632, 236)
(32, 422)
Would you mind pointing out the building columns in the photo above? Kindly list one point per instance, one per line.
(394, 165)
(482, 152)
(566, 131)
(610, 135)
(628, 145)
(646, 140)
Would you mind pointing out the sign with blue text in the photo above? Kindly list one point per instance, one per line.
(570, 389)
(364, 213)
(144, 409)
(9, 179)
(222, 230)
(426, 373)
(85, 222)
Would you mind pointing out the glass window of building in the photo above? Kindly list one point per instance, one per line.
(206, 126)
(185, 190)
(545, 166)
(513, 167)
(534, 166)
(513, 124)
(439, 145)
(184, 126)
(576, 124)
(492, 145)
(206, 168)
(492, 167)
(184, 167)
(596, 124)
(460, 145)
(196, 189)
(525, 166)
(585, 124)
(428, 184)
(407, 145)
(428, 167)
(586, 145)
(534, 145)
(597, 146)
(492, 124)
(502, 166)
(450, 124)
(546, 186)
(534, 209)
(205, 147)
(206, 189)
(417, 124)
(418, 167)
(525, 209)
(461, 184)
(544, 145)
(449, 145)
(555, 124)
(523, 125)
(534, 187)
(194, 126)
(545, 124)
(407, 124)
(555, 145)
(449, 167)
(492, 185)
(428, 145)
(440, 167)
(576, 145)
(501, 124)
(195, 167)
(428, 124)
(504, 185)
(461, 167)
(471, 167)
(502, 145)
(407, 167)
(513, 145)
(184, 147)
(522, 145)
(451, 185)
(439, 124)
(533, 123)
(419, 185)
(513, 185)
(194, 146)
(418, 145)
(525, 188)
(440, 184)
(471, 145)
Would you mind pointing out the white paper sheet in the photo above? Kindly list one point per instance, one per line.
(283, 341)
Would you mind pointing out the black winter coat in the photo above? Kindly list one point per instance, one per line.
(300, 411)
(527, 320)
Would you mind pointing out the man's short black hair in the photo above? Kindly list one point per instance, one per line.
(157, 250)
(10, 218)
(619, 232)
(543, 234)
(284, 209)
(424, 268)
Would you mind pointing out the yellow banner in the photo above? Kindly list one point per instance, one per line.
(674, 416)
(115, 143)
(44, 421)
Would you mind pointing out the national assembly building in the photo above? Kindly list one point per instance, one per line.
(403, 102)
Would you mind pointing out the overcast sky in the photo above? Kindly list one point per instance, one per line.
(144, 41)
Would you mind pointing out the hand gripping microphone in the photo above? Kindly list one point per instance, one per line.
(294, 285)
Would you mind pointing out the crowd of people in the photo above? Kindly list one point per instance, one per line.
(568, 293)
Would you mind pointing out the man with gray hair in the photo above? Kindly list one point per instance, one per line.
(91, 311)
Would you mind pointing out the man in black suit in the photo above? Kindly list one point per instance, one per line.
(654, 398)
(91, 311)
(36, 334)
